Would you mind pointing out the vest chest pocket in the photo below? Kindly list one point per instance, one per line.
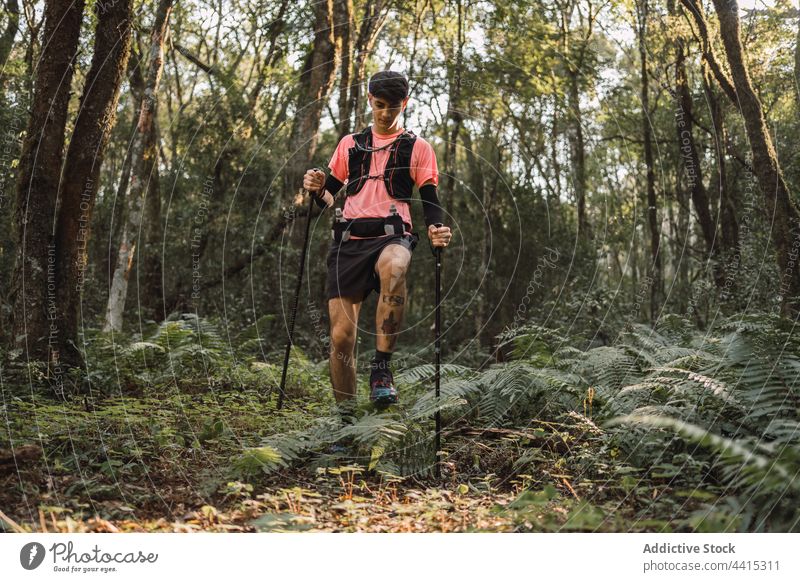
(396, 176)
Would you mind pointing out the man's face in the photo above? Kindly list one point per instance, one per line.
(384, 114)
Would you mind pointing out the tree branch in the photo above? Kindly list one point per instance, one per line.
(708, 51)
(189, 56)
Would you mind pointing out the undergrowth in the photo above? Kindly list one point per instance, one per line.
(668, 429)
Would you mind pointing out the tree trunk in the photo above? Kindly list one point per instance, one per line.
(578, 151)
(96, 118)
(372, 21)
(729, 226)
(781, 209)
(709, 56)
(316, 81)
(152, 289)
(652, 202)
(143, 157)
(573, 54)
(7, 38)
(797, 67)
(342, 30)
(554, 153)
(118, 214)
(454, 103)
(692, 170)
(276, 27)
(688, 149)
(33, 280)
(476, 177)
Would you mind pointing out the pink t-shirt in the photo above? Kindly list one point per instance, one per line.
(373, 200)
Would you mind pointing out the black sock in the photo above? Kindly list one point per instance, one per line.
(381, 360)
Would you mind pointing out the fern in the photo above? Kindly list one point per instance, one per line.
(425, 373)
(763, 476)
(716, 413)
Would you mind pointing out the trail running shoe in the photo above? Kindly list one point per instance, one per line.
(382, 391)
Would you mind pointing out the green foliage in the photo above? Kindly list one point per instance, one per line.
(732, 407)
(670, 428)
(708, 419)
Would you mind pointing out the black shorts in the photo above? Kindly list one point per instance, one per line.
(351, 264)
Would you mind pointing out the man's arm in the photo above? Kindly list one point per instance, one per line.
(438, 234)
(430, 204)
(315, 181)
(425, 173)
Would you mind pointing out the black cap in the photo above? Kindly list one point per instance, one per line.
(389, 85)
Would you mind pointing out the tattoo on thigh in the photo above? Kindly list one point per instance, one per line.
(390, 325)
(394, 300)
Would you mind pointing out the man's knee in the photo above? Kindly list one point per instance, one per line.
(343, 337)
(392, 270)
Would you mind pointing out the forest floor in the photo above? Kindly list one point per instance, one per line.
(165, 464)
(654, 435)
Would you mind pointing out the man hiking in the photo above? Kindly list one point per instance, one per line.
(373, 241)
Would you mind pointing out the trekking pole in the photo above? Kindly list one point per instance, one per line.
(438, 354)
(296, 300)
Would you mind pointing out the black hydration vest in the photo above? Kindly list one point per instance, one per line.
(396, 177)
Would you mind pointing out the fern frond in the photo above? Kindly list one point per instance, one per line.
(426, 372)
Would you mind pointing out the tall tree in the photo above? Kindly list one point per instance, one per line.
(782, 210)
(7, 37)
(454, 112)
(693, 171)
(93, 124)
(151, 291)
(373, 18)
(729, 227)
(575, 39)
(151, 271)
(343, 34)
(797, 66)
(33, 281)
(316, 82)
(652, 202)
(143, 157)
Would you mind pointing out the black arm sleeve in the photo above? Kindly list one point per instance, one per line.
(333, 185)
(430, 205)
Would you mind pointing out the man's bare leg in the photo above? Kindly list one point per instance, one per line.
(391, 268)
(343, 312)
